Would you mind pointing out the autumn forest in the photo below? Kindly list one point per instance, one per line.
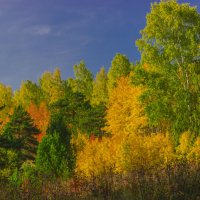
(132, 132)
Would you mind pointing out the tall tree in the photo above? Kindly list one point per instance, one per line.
(125, 113)
(120, 66)
(72, 106)
(51, 85)
(78, 112)
(6, 102)
(55, 153)
(51, 157)
(100, 88)
(29, 93)
(20, 134)
(83, 80)
(170, 66)
(41, 116)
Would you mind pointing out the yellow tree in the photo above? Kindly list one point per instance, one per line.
(188, 150)
(194, 154)
(100, 88)
(52, 86)
(125, 113)
(6, 102)
(147, 153)
(98, 158)
(28, 93)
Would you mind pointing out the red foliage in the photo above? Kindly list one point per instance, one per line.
(41, 117)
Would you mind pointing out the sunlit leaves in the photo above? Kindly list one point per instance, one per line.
(170, 46)
(51, 85)
(97, 158)
(41, 116)
(51, 156)
(120, 66)
(28, 93)
(83, 80)
(146, 152)
(6, 102)
(125, 113)
(100, 88)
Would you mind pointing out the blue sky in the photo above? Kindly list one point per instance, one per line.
(39, 35)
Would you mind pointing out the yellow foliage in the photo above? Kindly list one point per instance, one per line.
(125, 113)
(185, 145)
(52, 85)
(97, 158)
(146, 152)
(194, 154)
(188, 150)
(131, 153)
(79, 141)
(6, 102)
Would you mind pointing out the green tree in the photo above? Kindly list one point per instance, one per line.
(78, 113)
(170, 66)
(83, 81)
(120, 66)
(96, 119)
(59, 125)
(55, 153)
(29, 93)
(8, 162)
(72, 106)
(20, 135)
(51, 85)
(52, 156)
(100, 88)
(6, 102)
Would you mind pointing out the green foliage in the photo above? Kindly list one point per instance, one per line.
(29, 172)
(20, 134)
(51, 157)
(8, 163)
(72, 106)
(29, 93)
(78, 114)
(120, 66)
(51, 85)
(131, 134)
(170, 56)
(83, 80)
(15, 179)
(55, 155)
(100, 88)
(6, 101)
(96, 120)
(58, 125)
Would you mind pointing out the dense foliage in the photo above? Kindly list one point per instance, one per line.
(131, 133)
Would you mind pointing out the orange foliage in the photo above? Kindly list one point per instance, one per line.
(41, 117)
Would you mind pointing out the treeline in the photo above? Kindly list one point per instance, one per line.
(130, 133)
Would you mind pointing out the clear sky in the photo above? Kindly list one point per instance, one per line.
(39, 35)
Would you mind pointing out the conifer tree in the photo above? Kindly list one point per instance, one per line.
(20, 134)
(83, 80)
(55, 153)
